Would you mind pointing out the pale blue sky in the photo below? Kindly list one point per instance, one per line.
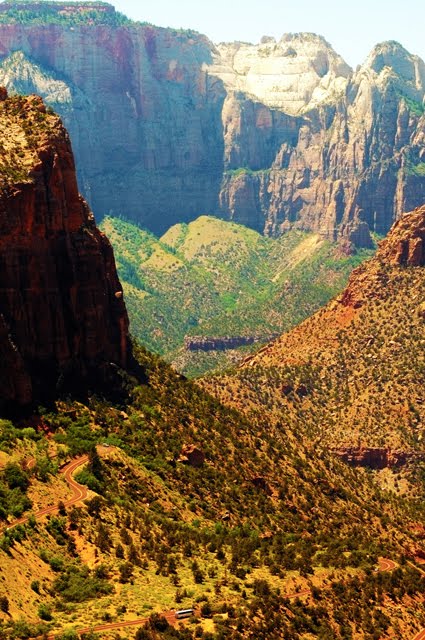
(352, 28)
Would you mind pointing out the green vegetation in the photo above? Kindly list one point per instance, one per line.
(337, 377)
(25, 125)
(14, 483)
(246, 171)
(47, 12)
(264, 515)
(214, 278)
(416, 169)
(416, 107)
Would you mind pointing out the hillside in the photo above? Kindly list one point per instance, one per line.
(352, 375)
(191, 504)
(214, 279)
(277, 135)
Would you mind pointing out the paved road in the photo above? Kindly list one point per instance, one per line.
(420, 635)
(79, 493)
(386, 565)
(110, 626)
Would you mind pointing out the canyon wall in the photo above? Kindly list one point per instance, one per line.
(167, 126)
(63, 322)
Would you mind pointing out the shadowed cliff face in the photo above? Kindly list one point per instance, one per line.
(143, 113)
(63, 322)
(167, 126)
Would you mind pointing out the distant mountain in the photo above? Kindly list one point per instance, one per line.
(278, 135)
(219, 280)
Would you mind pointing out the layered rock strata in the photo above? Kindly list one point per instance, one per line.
(202, 343)
(63, 322)
(283, 134)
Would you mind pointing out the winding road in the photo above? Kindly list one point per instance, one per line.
(79, 493)
(386, 565)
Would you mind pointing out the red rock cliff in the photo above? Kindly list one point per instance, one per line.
(63, 321)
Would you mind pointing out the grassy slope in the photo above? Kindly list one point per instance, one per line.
(214, 278)
(212, 533)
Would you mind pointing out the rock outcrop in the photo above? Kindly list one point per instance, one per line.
(377, 458)
(192, 456)
(406, 246)
(283, 134)
(350, 158)
(201, 343)
(63, 322)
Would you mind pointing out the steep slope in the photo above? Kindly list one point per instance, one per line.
(354, 159)
(277, 135)
(191, 504)
(62, 316)
(233, 286)
(143, 114)
(353, 374)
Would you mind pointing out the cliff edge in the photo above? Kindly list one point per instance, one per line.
(63, 321)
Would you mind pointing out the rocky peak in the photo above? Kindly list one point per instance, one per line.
(63, 322)
(285, 75)
(393, 55)
(405, 244)
(391, 61)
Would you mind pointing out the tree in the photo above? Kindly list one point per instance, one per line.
(4, 604)
(158, 622)
(142, 634)
(126, 571)
(94, 506)
(44, 612)
(15, 477)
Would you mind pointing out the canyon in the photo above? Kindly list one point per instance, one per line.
(284, 134)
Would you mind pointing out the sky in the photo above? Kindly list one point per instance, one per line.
(352, 28)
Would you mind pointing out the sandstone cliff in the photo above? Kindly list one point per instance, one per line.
(63, 322)
(283, 134)
(377, 458)
(350, 158)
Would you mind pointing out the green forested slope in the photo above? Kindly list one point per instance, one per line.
(261, 515)
(214, 278)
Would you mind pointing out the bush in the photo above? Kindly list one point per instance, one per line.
(4, 604)
(45, 612)
(15, 477)
(78, 584)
